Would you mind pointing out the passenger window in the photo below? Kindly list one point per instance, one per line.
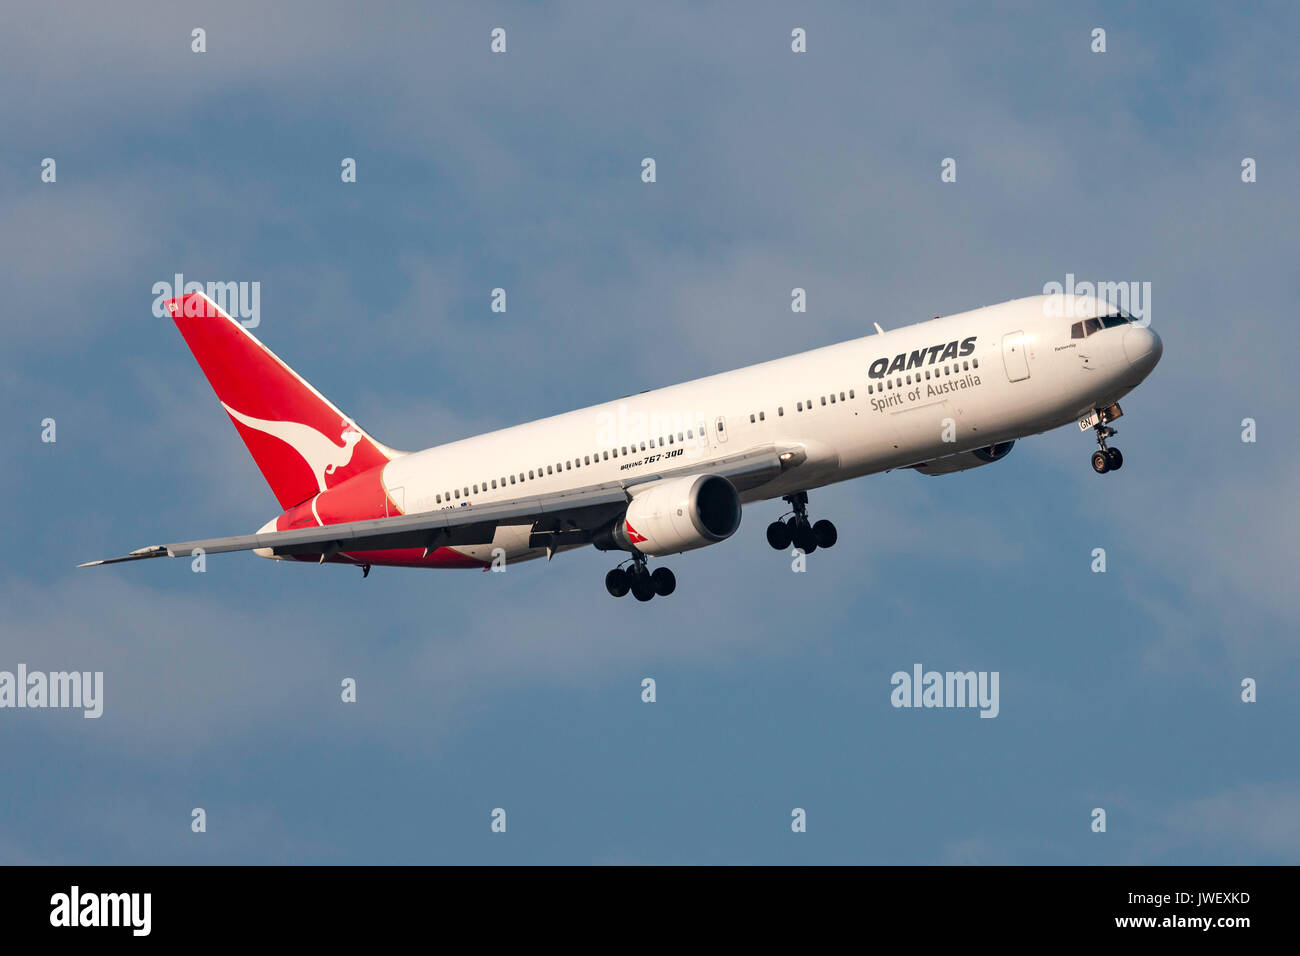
(606, 458)
(832, 398)
(975, 363)
(823, 399)
(965, 366)
(690, 433)
(476, 489)
(800, 406)
(568, 466)
(780, 411)
(512, 479)
(850, 393)
(494, 482)
(841, 396)
(643, 446)
(438, 498)
(752, 419)
(586, 459)
(457, 492)
(762, 416)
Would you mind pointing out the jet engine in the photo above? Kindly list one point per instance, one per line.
(677, 515)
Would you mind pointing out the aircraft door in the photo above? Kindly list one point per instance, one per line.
(702, 434)
(1014, 356)
(395, 502)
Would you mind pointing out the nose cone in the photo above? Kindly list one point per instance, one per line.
(1142, 348)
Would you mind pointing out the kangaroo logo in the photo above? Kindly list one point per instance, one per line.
(322, 456)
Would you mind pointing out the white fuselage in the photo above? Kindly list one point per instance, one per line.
(1015, 371)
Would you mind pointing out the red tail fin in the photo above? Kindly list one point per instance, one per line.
(300, 440)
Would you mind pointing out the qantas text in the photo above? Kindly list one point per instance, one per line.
(910, 360)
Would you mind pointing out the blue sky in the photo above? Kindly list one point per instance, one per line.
(522, 690)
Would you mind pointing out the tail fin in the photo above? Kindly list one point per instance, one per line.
(300, 440)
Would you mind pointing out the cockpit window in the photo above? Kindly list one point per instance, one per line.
(1085, 328)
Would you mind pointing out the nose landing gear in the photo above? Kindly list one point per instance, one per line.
(640, 581)
(797, 530)
(1106, 459)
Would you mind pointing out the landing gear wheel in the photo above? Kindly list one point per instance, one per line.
(1114, 459)
(1100, 462)
(643, 588)
(805, 540)
(825, 534)
(664, 581)
(778, 535)
(616, 582)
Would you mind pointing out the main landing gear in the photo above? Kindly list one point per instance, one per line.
(1106, 459)
(797, 530)
(640, 581)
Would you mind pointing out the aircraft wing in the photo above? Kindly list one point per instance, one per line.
(560, 517)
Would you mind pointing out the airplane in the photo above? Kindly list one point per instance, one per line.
(668, 470)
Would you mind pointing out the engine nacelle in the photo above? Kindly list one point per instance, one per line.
(966, 460)
(677, 515)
